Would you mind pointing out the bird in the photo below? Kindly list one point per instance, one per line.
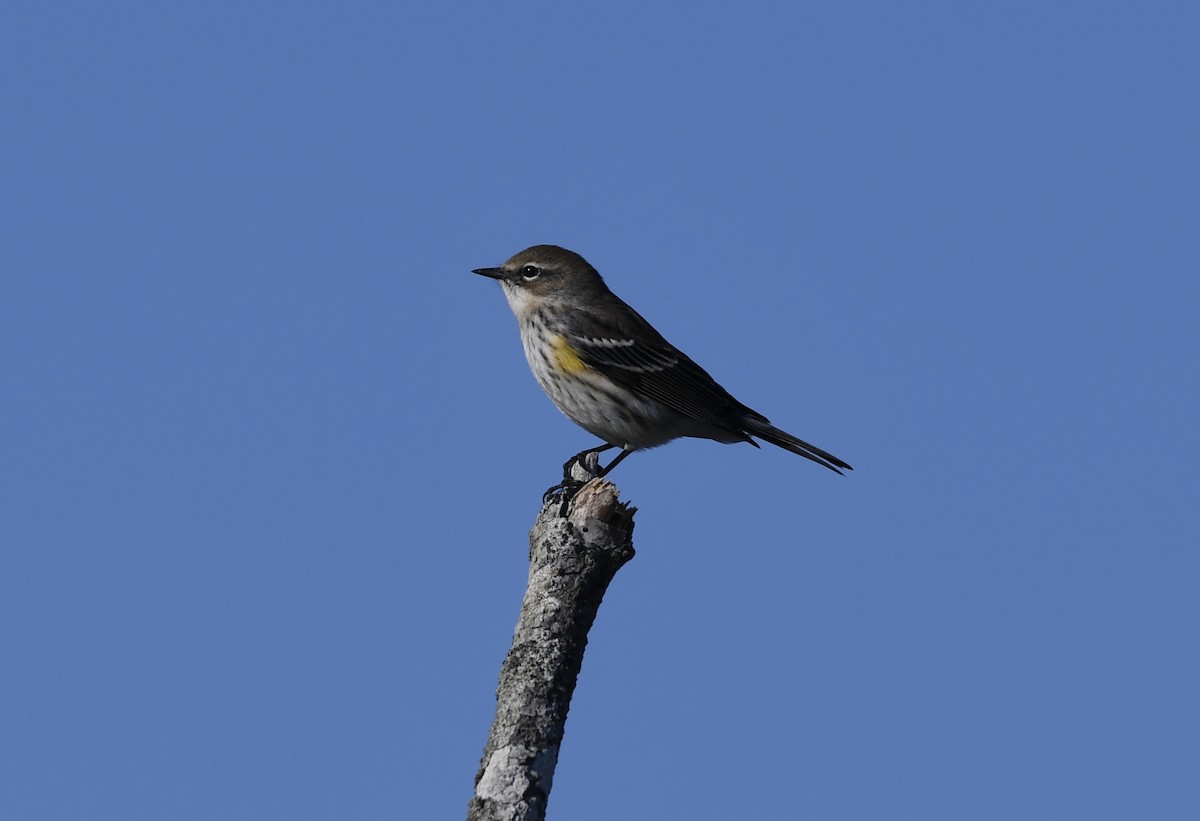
(609, 371)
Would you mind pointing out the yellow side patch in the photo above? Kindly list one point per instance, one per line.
(566, 356)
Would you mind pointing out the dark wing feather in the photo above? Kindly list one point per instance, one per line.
(634, 355)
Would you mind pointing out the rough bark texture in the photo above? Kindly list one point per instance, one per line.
(575, 549)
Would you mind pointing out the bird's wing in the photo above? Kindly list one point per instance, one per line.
(637, 357)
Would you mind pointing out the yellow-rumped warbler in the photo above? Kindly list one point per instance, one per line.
(611, 373)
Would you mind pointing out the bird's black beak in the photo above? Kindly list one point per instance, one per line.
(494, 273)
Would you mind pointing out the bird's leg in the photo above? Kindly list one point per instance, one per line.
(614, 462)
(589, 461)
(590, 465)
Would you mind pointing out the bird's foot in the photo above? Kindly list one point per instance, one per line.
(577, 472)
(584, 466)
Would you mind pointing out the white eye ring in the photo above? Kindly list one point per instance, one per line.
(530, 272)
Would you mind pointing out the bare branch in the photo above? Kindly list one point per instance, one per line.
(575, 550)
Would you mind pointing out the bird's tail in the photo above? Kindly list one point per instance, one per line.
(757, 426)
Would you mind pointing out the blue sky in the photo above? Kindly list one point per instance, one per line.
(269, 452)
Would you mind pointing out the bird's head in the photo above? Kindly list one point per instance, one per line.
(545, 275)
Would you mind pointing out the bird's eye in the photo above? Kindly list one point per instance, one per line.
(530, 272)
